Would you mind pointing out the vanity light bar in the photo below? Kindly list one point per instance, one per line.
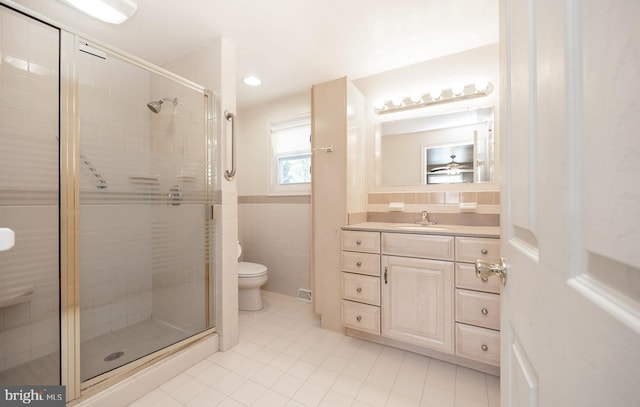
(454, 94)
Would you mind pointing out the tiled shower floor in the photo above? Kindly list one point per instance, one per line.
(38, 371)
(135, 341)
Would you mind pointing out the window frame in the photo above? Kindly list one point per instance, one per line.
(275, 187)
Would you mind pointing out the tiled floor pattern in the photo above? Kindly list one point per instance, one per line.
(285, 359)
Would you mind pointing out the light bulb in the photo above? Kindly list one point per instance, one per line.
(482, 85)
(397, 101)
(435, 94)
(457, 89)
(252, 81)
(417, 98)
(379, 104)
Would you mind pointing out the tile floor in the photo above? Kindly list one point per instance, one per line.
(285, 359)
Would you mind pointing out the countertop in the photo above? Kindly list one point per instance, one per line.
(447, 230)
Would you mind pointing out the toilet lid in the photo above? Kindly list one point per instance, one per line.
(246, 269)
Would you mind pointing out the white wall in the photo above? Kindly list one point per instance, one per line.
(275, 232)
(254, 140)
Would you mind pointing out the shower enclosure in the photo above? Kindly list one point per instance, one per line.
(107, 179)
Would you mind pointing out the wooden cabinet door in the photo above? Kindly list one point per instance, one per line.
(417, 301)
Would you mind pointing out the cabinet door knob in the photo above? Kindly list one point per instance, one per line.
(358, 264)
(358, 242)
(484, 311)
(484, 348)
(359, 290)
(484, 251)
(484, 279)
(359, 318)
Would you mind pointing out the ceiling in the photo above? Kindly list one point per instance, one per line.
(293, 44)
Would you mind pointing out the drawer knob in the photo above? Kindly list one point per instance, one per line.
(359, 318)
(358, 264)
(359, 290)
(358, 242)
(484, 348)
(484, 279)
(484, 311)
(484, 251)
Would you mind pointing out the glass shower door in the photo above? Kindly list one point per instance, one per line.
(29, 196)
(145, 197)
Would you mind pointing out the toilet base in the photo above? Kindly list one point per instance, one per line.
(250, 299)
(249, 295)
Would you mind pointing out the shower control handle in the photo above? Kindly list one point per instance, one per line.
(175, 195)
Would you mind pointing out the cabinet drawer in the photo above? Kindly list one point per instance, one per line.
(355, 240)
(482, 309)
(362, 317)
(412, 245)
(479, 344)
(470, 249)
(361, 263)
(466, 278)
(361, 288)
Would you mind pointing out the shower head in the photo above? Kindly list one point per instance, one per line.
(156, 105)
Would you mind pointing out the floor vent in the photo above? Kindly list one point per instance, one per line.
(304, 295)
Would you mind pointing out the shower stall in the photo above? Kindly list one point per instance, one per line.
(108, 180)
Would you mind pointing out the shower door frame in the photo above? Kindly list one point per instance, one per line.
(70, 215)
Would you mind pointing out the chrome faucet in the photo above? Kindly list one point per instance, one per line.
(425, 219)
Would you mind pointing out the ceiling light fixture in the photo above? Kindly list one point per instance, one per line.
(252, 81)
(109, 11)
(436, 96)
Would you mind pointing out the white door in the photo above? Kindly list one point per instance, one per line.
(570, 126)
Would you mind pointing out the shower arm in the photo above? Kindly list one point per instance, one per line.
(232, 118)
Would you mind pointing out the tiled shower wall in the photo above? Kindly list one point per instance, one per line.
(142, 256)
(28, 189)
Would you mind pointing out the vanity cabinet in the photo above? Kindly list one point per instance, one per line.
(477, 302)
(421, 290)
(417, 302)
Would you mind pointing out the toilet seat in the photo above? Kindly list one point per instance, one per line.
(246, 269)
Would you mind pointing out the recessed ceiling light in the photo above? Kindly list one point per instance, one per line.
(109, 11)
(252, 81)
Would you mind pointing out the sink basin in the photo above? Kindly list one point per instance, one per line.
(426, 228)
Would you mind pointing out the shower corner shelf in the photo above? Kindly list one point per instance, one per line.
(15, 295)
(186, 178)
(144, 178)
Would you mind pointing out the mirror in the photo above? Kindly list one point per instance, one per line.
(450, 148)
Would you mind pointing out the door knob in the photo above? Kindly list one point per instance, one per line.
(486, 270)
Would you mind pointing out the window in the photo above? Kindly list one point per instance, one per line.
(291, 156)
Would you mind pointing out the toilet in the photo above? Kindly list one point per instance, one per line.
(251, 276)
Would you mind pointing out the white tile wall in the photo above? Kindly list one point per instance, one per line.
(279, 236)
(140, 260)
(28, 187)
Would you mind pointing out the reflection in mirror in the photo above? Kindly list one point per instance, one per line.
(449, 148)
(452, 164)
